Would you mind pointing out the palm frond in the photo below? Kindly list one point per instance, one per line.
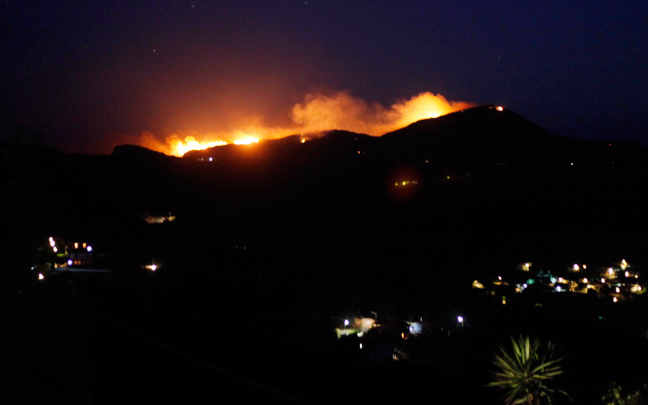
(524, 370)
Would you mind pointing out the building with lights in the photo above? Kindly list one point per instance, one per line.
(61, 255)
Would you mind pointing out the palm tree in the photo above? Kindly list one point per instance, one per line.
(525, 371)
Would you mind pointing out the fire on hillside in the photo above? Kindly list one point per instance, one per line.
(317, 113)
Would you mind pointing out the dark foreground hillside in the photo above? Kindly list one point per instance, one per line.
(165, 338)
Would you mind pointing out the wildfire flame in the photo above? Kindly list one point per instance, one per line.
(318, 113)
(180, 147)
(246, 141)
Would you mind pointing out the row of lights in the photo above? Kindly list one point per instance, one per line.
(85, 246)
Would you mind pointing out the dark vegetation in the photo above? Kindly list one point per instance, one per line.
(272, 240)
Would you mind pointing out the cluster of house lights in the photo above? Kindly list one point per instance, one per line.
(617, 282)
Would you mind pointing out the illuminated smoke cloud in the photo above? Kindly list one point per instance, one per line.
(342, 111)
(149, 140)
(318, 113)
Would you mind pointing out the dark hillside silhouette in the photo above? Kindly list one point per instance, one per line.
(482, 181)
(260, 249)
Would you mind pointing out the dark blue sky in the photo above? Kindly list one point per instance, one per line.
(78, 70)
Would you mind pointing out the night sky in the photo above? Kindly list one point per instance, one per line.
(92, 73)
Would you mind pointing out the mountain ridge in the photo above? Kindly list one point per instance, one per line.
(406, 198)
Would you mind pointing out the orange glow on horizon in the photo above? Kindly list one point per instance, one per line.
(178, 147)
(316, 114)
(246, 141)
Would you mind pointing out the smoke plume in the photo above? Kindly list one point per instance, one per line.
(317, 113)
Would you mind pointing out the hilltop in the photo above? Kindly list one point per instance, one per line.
(475, 189)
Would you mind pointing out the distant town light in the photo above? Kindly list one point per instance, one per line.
(70, 262)
(500, 108)
(89, 248)
(76, 245)
(576, 267)
(346, 322)
(41, 276)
